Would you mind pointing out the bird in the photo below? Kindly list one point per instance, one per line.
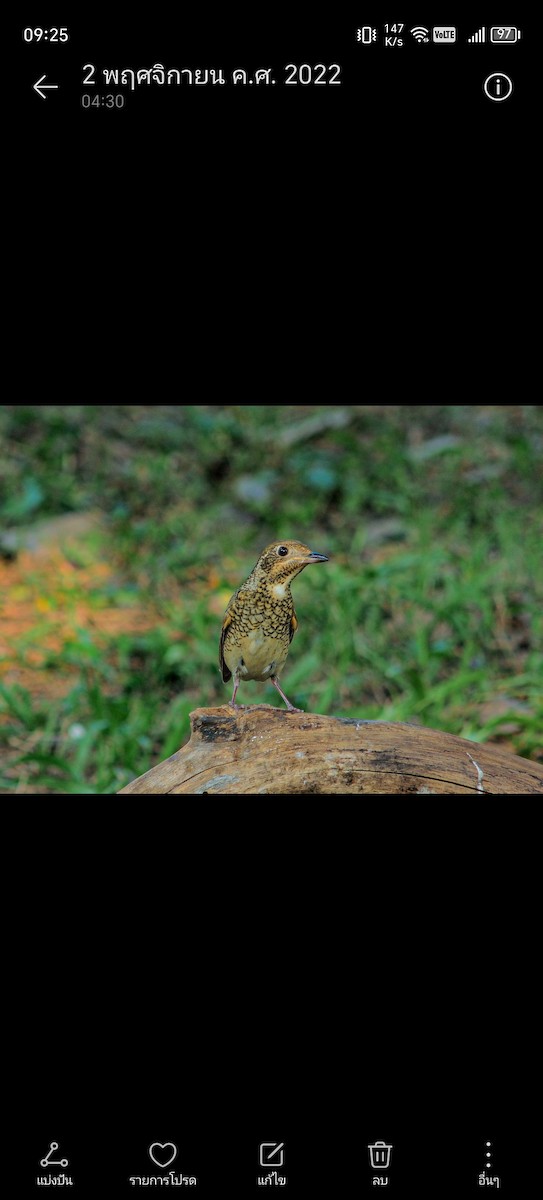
(260, 621)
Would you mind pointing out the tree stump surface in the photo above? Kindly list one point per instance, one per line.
(261, 750)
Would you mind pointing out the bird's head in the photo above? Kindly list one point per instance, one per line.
(281, 561)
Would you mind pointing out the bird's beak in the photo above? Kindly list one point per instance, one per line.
(314, 557)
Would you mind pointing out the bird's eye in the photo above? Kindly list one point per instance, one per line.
(282, 550)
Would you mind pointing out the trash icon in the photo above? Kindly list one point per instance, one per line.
(380, 1155)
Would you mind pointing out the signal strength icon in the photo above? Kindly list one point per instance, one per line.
(420, 34)
(480, 36)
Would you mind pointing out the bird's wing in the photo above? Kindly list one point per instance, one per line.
(293, 624)
(226, 674)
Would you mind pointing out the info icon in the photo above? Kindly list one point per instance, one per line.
(498, 86)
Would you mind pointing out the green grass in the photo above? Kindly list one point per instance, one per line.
(430, 608)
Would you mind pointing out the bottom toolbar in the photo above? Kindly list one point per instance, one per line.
(298, 1164)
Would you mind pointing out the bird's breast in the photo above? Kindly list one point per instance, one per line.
(257, 655)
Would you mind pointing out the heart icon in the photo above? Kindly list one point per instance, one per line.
(162, 1153)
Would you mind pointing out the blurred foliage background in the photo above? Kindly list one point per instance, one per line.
(124, 530)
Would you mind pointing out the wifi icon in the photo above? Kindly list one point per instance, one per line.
(420, 34)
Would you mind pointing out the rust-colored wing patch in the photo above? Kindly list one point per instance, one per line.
(293, 625)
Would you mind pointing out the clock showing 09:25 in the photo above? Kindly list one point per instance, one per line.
(46, 35)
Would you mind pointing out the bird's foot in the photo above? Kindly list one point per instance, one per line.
(290, 707)
(234, 704)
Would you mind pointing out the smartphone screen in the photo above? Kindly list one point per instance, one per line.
(311, 1002)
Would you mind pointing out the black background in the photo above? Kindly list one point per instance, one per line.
(269, 236)
(414, 116)
(323, 977)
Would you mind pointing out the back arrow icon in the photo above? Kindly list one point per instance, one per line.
(39, 84)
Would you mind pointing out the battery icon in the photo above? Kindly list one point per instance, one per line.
(505, 35)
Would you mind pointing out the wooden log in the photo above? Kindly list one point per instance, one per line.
(261, 750)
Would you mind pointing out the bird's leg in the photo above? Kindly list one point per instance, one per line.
(290, 706)
(232, 702)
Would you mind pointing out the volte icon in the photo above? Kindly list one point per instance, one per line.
(444, 35)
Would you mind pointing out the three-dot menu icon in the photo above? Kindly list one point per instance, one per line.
(490, 1180)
